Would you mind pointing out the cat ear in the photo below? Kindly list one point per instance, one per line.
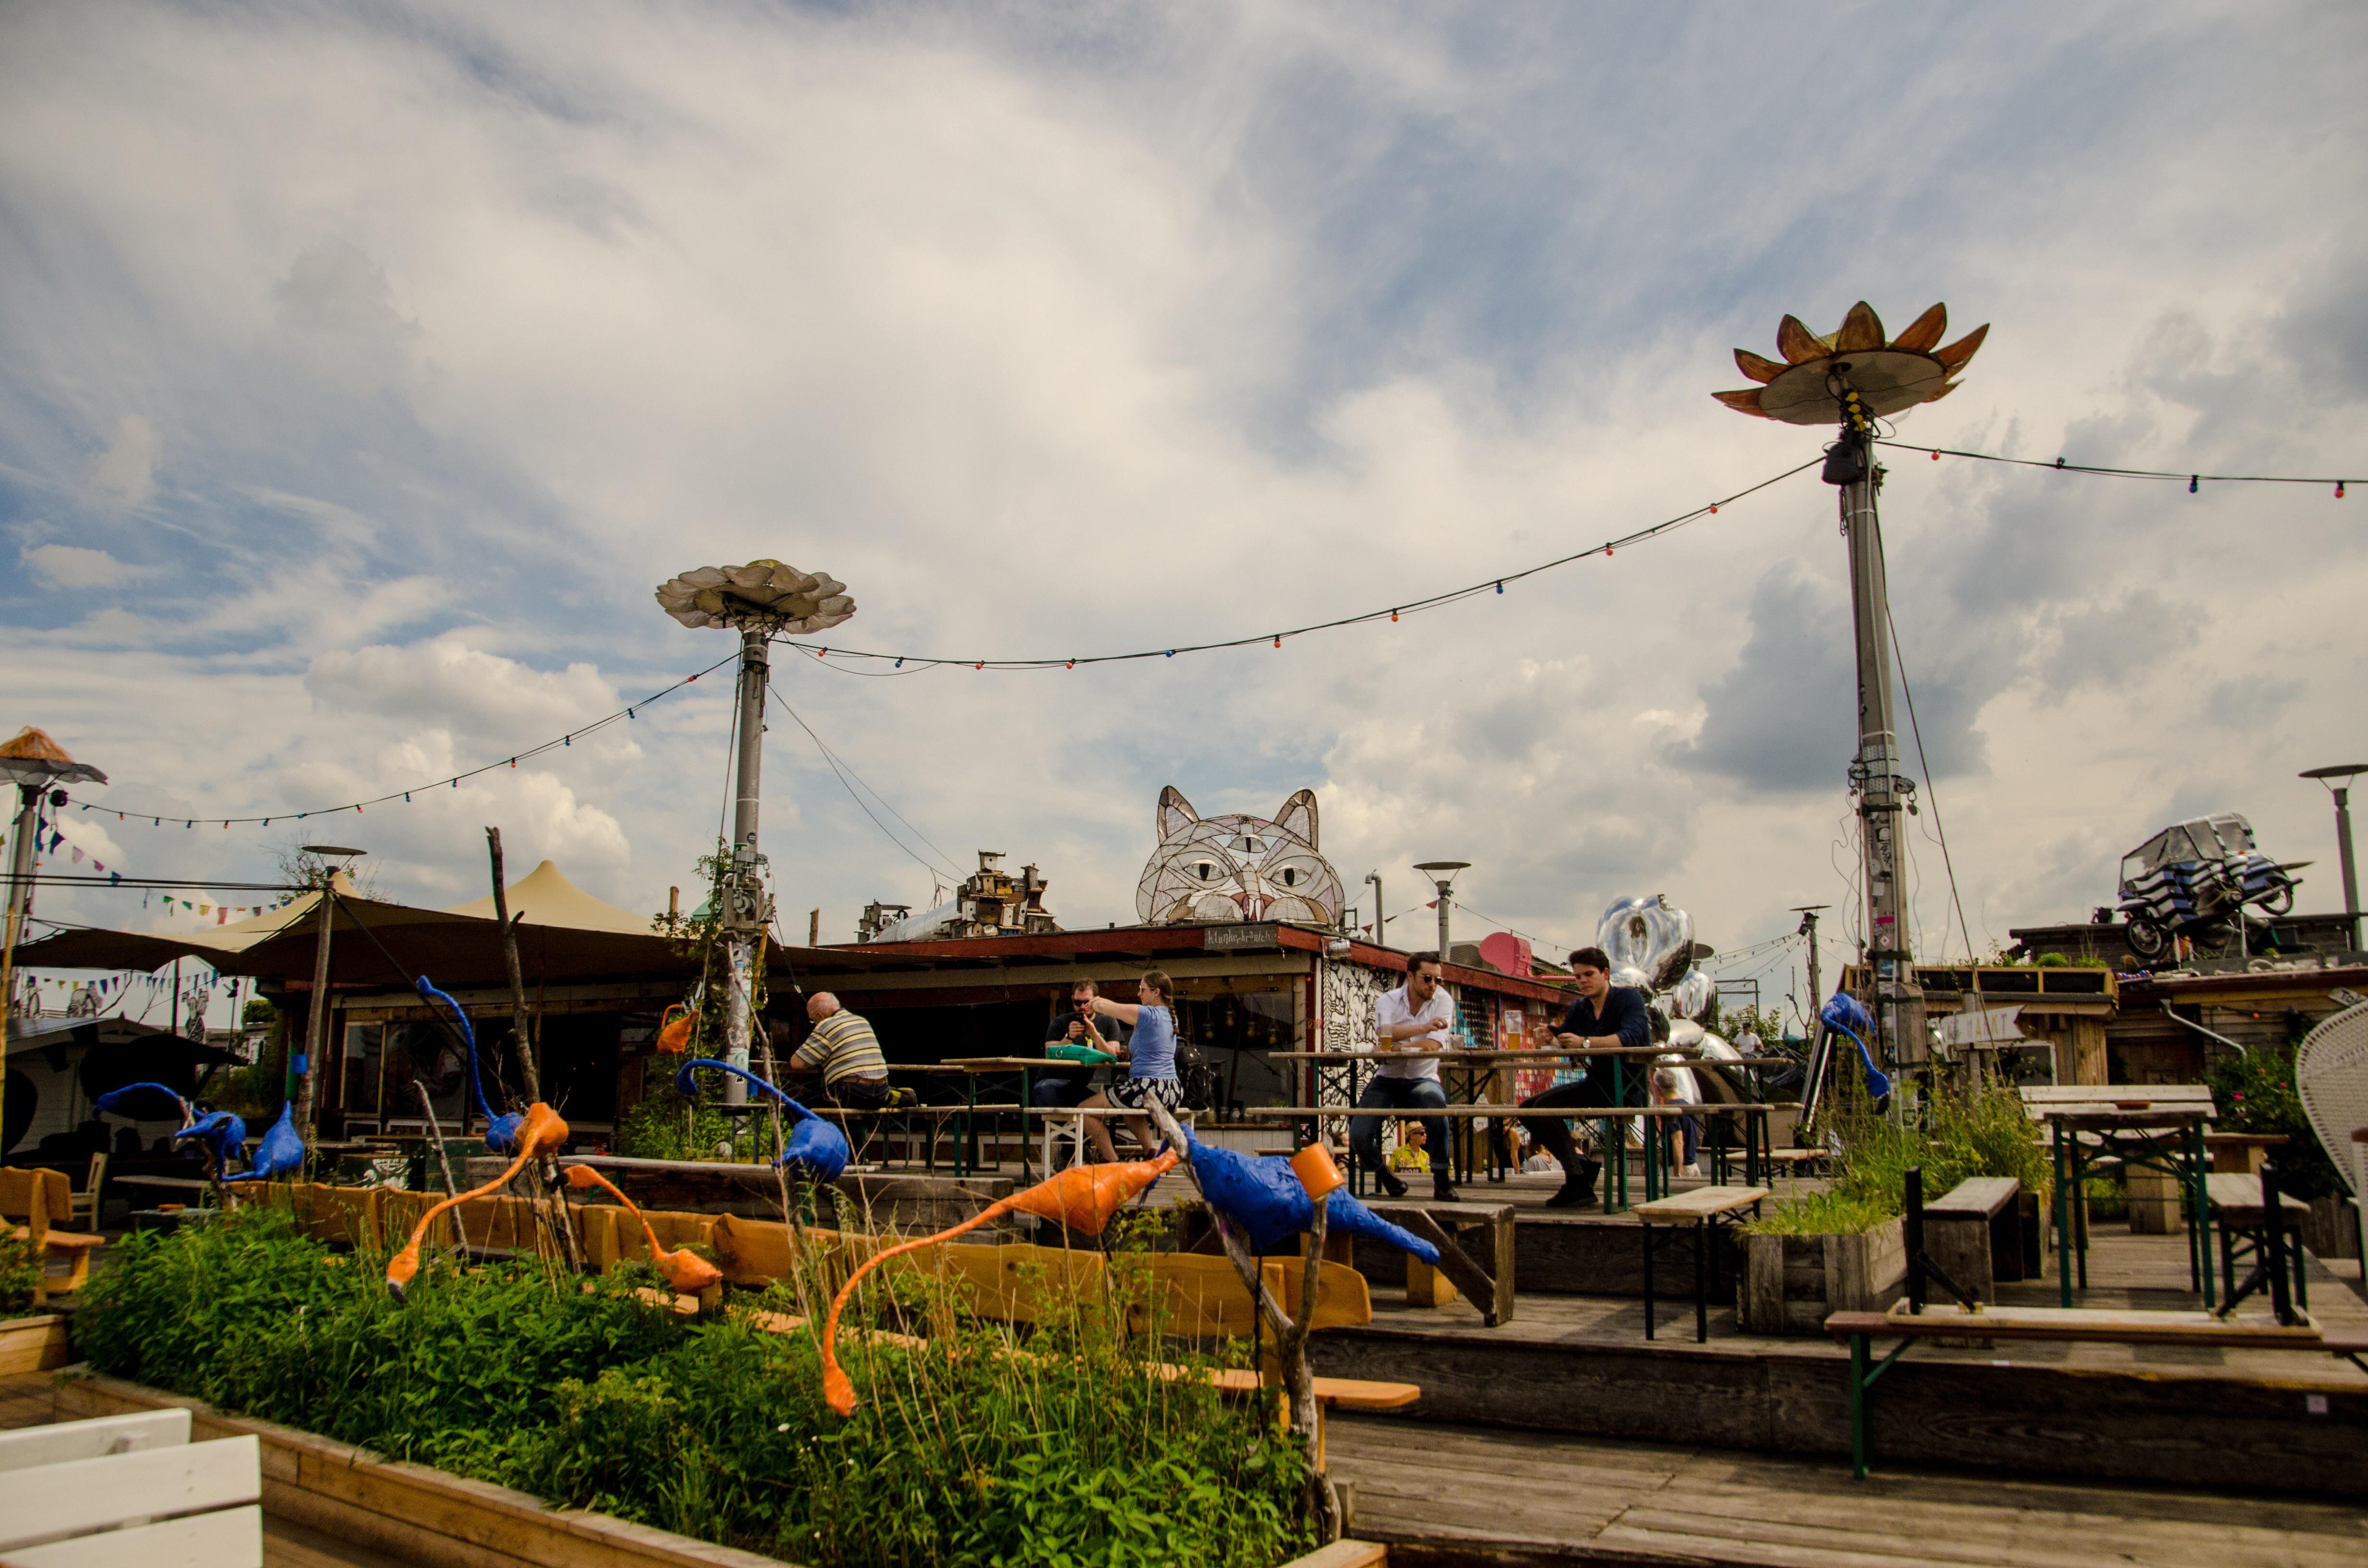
(1298, 816)
(1176, 813)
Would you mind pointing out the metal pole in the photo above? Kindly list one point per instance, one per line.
(20, 905)
(1381, 911)
(1899, 1004)
(1443, 902)
(317, 1022)
(744, 920)
(2351, 878)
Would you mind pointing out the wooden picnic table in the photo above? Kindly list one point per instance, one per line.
(1708, 1212)
(2153, 1126)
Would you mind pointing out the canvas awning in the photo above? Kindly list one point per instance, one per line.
(567, 935)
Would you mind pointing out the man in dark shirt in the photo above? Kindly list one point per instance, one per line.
(1076, 1024)
(1605, 1015)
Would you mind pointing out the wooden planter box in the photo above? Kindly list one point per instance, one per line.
(1791, 1283)
(33, 1345)
(2331, 1231)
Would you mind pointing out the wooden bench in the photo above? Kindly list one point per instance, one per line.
(1708, 1212)
(2238, 1208)
(129, 1492)
(2063, 1325)
(1975, 1233)
(1487, 1279)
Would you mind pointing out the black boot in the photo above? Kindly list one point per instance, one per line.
(1441, 1191)
(1578, 1186)
(1390, 1183)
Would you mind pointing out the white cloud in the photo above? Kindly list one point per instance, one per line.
(78, 566)
(126, 470)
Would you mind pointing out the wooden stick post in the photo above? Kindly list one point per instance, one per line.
(553, 1209)
(1290, 1334)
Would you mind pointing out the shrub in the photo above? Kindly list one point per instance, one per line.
(2255, 1093)
(971, 1447)
(1820, 1214)
(20, 1274)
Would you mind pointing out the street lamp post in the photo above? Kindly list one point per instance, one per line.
(331, 858)
(2338, 780)
(1853, 376)
(1442, 875)
(760, 601)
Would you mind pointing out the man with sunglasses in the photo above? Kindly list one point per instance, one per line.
(1417, 1016)
(1604, 1015)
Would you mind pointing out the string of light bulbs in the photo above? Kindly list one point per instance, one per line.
(631, 711)
(914, 662)
(2194, 480)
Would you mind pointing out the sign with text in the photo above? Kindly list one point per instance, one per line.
(1224, 936)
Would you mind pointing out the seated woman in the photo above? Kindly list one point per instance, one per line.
(1150, 1059)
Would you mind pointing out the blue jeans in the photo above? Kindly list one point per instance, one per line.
(1400, 1094)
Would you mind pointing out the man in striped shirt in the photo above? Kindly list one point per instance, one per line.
(843, 1047)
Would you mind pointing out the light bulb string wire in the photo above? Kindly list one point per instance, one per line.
(1492, 584)
(2061, 466)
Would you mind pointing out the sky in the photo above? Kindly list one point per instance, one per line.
(363, 368)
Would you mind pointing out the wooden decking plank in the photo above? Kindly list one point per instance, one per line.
(2035, 1545)
(1911, 1519)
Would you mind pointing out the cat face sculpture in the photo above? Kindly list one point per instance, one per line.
(1237, 867)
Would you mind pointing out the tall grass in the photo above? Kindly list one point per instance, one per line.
(1980, 1131)
(969, 1448)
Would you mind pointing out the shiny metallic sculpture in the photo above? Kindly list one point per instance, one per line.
(1237, 867)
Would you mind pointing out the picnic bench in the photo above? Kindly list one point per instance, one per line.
(2062, 1326)
(129, 1492)
(2157, 1126)
(1708, 1212)
(2240, 1204)
(1973, 1233)
(1487, 1279)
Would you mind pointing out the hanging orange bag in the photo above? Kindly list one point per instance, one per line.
(674, 1033)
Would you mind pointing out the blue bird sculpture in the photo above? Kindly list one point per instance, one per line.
(222, 1136)
(281, 1153)
(815, 1148)
(219, 1134)
(501, 1131)
(1267, 1200)
(1846, 1015)
(111, 1102)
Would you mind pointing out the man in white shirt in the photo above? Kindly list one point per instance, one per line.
(1417, 1016)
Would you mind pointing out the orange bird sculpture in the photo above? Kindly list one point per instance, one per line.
(1083, 1198)
(682, 1268)
(540, 1133)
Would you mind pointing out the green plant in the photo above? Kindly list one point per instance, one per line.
(2052, 960)
(2108, 1198)
(1821, 1214)
(2254, 1092)
(1981, 1130)
(256, 1091)
(980, 1446)
(20, 1274)
(662, 1125)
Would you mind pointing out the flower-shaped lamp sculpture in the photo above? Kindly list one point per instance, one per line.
(763, 596)
(1809, 384)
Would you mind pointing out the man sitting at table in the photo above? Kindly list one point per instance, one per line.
(1417, 1016)
(843, 1047)
(1078, 1025)
(1604, 1015)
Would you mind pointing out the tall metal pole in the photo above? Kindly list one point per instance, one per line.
(1381, 911)
(2351, 878)
(1882, 791)
(1444, 948)
(1816, 986)
(2338, 780)
(316, 1018)
(20, 905)
(745, 884)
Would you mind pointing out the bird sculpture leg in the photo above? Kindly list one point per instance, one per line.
(1083, 1198)
(682, 1268)
(541, 1131)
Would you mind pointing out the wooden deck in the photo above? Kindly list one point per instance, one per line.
(1458, 1494)
(27, 1400)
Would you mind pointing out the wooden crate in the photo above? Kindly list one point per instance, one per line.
(33, 1344)
(1791, 1283)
